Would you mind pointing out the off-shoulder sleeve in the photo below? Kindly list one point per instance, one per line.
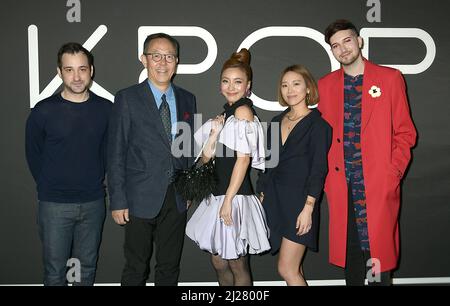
(246, 137)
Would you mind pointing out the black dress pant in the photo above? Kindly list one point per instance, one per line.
(356, 267)
(166, 232)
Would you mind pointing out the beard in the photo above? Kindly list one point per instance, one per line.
(349, 59)
(77, 88)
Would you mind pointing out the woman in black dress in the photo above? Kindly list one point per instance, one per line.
(290, 190)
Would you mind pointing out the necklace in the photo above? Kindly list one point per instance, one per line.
(292, 119)
(299, 117)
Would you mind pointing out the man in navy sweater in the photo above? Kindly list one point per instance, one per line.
(65, 150)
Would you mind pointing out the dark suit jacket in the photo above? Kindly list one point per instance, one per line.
(140, 164)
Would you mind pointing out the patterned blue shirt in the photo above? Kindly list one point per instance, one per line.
(352, 153)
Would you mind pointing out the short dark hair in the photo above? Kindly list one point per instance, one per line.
(73, 48)
(339, 25)
(310, 83)
(172, 40)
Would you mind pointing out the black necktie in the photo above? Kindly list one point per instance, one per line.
(164, 112)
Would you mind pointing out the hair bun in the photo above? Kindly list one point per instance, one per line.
(240, 60)
(242, 56)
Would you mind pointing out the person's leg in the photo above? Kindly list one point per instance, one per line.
(169, 239)
(355, 269)
(289, 262)
(87, 237)
(241, 271)
(138, 248)
(56, 222)
(223, 271)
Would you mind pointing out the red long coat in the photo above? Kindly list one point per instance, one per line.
(387, 135)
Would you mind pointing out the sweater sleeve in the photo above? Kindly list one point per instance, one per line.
(34, 142)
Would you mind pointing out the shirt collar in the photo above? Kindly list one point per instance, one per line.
(158, 93)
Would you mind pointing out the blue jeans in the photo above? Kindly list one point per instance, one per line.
(70, 230)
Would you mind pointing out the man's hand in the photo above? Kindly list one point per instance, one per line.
(120, 216)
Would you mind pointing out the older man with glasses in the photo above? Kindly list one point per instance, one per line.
(141, 165)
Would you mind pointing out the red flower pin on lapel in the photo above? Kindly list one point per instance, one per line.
(186, 116)
(375, 91)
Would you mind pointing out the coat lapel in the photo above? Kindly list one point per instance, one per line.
(368, 102)
(338, 91)
(178, 104)
(149, 100)
(299, 131)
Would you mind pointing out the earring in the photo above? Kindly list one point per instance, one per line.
(307, 97)
(248, 93)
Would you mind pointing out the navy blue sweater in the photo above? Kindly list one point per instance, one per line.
(65, 148)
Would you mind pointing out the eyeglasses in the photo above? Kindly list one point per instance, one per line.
(156, 57)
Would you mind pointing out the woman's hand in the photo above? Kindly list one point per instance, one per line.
(261, 197)
(304, 220)
(210, 146)
(225, 212)
(217, 125)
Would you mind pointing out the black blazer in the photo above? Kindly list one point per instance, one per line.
(140, 164)
(302, 160)
(301, 171)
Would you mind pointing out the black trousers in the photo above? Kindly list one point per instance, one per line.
(166, 232)
(356, 267)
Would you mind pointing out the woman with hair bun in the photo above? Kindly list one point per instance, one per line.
(230, 223)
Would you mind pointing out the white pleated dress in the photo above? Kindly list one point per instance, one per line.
(249, 232)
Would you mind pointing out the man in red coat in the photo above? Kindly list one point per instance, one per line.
(373, 133)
